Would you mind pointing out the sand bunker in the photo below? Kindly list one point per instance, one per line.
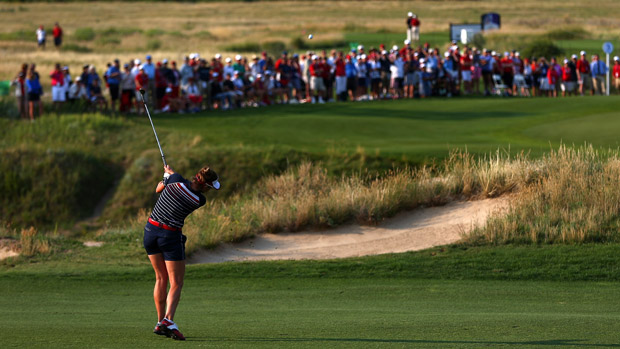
(409, 231)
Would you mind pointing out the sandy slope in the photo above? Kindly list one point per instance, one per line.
(409, 231)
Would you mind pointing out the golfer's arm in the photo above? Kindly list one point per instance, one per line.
(160, 187)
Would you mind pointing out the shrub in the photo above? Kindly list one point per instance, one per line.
(479, 41)
(84, 34)
(154, 32)
(19, 35)
(153, 45)
(567, 34)
(542, 48)
(299, 43)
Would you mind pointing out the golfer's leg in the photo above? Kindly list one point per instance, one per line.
(161, 284)
(176, 271)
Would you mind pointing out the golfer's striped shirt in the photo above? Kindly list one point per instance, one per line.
(176, 202)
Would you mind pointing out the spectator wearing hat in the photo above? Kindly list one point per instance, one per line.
(41, 37)
(317, 85)
(114, 80)
(599, 72)
(397, 72)
(568, 85)
(374, 76)
(57, 33)
(616, 73)
(68, 80)
(426, 78)
(413, 27)
(170, 103)
(584, 74)
(142, 83)
(409, 82)
(228, 67)
(135, 70)
(385, 63)
(77, 92)
(466, 67)
(239, 65)
(362, 77)
(128, 89)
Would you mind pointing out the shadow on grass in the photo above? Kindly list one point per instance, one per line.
(551, 342)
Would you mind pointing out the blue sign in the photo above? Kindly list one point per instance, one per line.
(490, 21)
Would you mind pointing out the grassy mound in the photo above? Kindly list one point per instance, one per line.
(50, 187)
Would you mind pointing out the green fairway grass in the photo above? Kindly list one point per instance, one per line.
(416, 129)
(453, 297)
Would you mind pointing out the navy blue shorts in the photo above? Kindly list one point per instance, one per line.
(169, 243)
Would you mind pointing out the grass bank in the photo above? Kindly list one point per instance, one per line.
(575, 199)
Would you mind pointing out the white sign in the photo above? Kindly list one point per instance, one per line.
(608, 47)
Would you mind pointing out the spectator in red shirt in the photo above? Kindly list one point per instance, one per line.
(57, 32)
(413, 27)
(466, 65)
(568, 85)
(552, 78)
(616, 73)
(341, 77)
(58, 86)
(507, 70)
(584, 76)
(142, 82)
(316, 80)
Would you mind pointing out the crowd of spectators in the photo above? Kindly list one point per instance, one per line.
(313, 77)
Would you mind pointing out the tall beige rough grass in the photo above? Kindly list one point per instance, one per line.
(31, 242)
(308, 197)
(574, 199)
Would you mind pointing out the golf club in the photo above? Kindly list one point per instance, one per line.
(151, 120)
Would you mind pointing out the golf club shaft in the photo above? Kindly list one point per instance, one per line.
(153, 126)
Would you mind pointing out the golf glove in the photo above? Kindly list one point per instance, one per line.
(166, 175)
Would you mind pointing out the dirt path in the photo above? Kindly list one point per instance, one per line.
(409, 231)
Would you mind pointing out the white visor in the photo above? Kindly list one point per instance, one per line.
(215, 185)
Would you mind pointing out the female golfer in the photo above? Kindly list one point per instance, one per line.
(165, 244)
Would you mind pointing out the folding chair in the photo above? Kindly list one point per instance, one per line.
(521, 84)
(498, 85)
